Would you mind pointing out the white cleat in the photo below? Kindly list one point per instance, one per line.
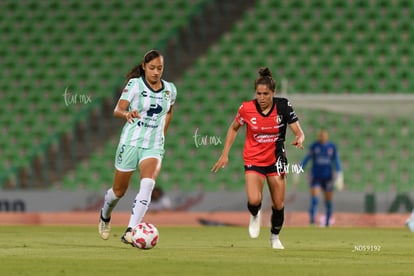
(275, 242)
(254, 225)
(104, 228)
(127, 236)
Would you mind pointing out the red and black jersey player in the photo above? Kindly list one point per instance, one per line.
(266, 119)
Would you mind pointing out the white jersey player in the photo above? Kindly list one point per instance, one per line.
(146, 104)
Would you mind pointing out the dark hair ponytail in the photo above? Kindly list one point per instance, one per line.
(138, 71)
(266, 78)
(135, 72)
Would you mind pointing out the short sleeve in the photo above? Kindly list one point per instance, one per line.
(291, 114)
(173, 93)
(239, 116)
(129, 90)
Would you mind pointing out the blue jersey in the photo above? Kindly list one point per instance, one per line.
(324, 157)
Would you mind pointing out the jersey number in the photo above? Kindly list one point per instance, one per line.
(119, 159)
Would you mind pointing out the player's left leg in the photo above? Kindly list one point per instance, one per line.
(314, 199)
(277, 188)
(328, 207)
(328, 194)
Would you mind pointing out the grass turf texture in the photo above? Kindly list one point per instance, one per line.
(61, 250)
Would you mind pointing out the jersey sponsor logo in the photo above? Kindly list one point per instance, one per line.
(154, 109)
(253, 120)
(266, 138)
(146, 94)
(145, 124)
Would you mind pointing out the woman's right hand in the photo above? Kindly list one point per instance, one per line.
(130, 116)
(221, 163)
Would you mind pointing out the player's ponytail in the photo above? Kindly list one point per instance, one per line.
(135, 72)
(138, 71)
(266, 78)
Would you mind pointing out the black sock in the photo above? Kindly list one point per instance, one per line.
(278, 216)
(254, 209)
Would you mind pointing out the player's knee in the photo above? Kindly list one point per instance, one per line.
(328, 196)
(255, 200)
(278, 205)
(119, 191)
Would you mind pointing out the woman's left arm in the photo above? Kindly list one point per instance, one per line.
(299, 135)
(168, 119)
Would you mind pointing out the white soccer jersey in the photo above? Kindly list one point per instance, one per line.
(148, 130)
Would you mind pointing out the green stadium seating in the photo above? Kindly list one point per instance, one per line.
(82, 46)
(337, 47)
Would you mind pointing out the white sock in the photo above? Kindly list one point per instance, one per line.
(110, 202)
(141, 202)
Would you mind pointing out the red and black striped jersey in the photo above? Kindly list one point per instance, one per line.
(265, 133)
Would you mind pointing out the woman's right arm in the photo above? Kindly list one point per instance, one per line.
(230, 137)
(121, 111)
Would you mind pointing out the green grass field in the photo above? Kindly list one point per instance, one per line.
(61, 250)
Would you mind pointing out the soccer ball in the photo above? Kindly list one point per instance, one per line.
(144, 235)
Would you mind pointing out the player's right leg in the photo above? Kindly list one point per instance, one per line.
(112, 196)
(254, 189)
(125, 165)
(314, 201)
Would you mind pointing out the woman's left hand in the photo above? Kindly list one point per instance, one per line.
(298, 142)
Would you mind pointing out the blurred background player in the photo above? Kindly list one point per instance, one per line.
(160, 201)
(266, 118)
(324, 156)
(146, 104)
(410, 221)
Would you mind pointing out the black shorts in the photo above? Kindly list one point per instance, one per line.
(279, 168)
(327, 185)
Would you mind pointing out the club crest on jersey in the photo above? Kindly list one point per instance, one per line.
(279, 118)
(167, 95)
